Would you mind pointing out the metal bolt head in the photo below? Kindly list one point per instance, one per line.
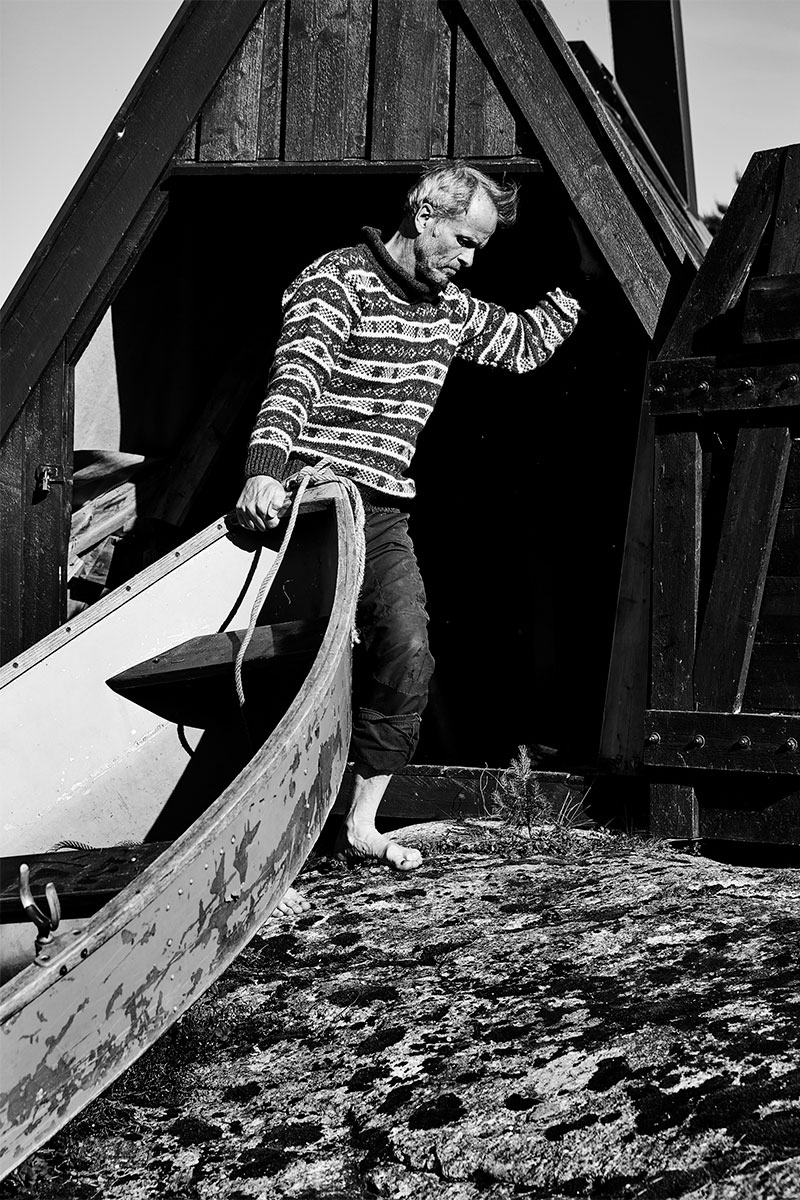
(704, 386)
(653, 739)
(744, 742)
(697, 742)
(659, 389)
(791, 745)
(745, 383)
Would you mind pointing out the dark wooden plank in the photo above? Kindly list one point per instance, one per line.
(230, 117)
(704, 385)
(435, 793)
(773, 681)
(772, 312)
(626, 689)
(46, 519)
(673, 811)
(214, 654)
(482, 121)
(781, 597)
(85, 880)
(116, 183)
(540, 93)
(674, 240)
(270, 118)
(747, 810)
(623, 119)
(676, 568)
(407, 100)
(785, 558)
(650, 65)
(791, 491)
(726, 638)
(784, 256)
(327, 75)
(522, 165)
(12, 507)
(722, 741)
(730, 256)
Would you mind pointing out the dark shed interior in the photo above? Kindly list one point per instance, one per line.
(523, 482)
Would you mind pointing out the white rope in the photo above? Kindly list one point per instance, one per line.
(303, 478)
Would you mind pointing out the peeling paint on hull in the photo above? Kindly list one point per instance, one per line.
(72, 1025)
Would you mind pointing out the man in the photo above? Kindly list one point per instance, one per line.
(368, 335)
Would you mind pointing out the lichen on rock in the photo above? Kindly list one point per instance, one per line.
(611, 1023)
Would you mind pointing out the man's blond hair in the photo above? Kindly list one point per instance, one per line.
(449, 189)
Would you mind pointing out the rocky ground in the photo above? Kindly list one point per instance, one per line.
(587, 1016)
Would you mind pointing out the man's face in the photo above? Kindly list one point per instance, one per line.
(446, 244)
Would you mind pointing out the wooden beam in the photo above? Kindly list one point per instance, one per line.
(784, 255)
(650, 67)
(727, 264)
(537, 89)
(674, 812)
(729, 625)
(626, 690)
(181, 171)
(676, 568)
(115, 185)
(722, 741)
(677, 387)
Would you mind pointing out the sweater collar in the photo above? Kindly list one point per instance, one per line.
(395, 276)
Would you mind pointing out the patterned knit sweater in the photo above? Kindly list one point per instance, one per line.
(363, 354)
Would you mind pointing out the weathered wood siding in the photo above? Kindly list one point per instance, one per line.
(338, 80)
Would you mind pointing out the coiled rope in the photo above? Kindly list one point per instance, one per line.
(308, 476)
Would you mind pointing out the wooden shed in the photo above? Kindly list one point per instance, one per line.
(136, 344)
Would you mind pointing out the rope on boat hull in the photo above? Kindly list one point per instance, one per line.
(308, 476)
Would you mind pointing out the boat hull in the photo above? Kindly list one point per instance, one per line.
(72, 1022)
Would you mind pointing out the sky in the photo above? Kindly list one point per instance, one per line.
(66, 66)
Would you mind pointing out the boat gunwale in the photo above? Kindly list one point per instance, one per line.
(74, 626)
(113, 917)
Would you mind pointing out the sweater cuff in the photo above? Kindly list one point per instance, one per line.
(266, 460)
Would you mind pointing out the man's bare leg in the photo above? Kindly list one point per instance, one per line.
(291, 904)
(360, 838)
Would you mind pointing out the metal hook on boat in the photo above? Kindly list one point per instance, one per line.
(46, 925)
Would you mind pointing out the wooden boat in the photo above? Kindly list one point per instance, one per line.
(226, 811)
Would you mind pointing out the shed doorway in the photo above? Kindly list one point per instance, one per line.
(522, 482)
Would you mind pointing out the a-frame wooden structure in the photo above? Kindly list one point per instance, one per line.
(718, 729)
(255, 130)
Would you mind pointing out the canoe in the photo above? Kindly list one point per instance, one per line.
(229, 805)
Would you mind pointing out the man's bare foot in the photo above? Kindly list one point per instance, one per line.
(291, 904)
(360, 839)
(368, 844)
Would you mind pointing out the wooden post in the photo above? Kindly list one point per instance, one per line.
(650, 67)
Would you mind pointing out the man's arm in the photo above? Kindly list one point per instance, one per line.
(521, 342)
(319, 309)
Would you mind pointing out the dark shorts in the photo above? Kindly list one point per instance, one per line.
(393, 664)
